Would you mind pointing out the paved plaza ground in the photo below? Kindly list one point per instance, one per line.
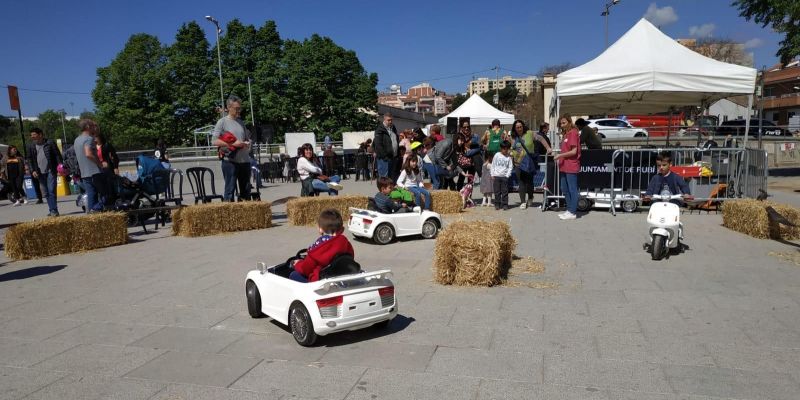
(165, 318)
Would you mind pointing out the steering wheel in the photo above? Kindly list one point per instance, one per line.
(301, 254)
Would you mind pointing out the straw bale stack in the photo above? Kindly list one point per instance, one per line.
(215, 218)
(304, 211)
(446, 202)
(750, 217)
(473, 253)
(51, 236)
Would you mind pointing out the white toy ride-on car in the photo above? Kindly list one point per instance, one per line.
(345, 298)
(383, 228)
(602, 199)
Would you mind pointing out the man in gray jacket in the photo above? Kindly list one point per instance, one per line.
(443, 158)
(234, 150)
(385, 145)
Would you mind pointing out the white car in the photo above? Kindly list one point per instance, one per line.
(383, 228)
(344, 299)
(602, 199)
(616, 128)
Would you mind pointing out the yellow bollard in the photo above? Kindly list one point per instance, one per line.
(62, 189)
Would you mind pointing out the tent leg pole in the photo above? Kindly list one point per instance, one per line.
(747, 121)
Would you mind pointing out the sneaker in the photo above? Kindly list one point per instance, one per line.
(40, 201)
(523, 206)
(17, 203)
(52, 214)
(568, 215)
(24, 201)
(335, 186)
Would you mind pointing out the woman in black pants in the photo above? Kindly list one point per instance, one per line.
(15, 171)
(110, 167)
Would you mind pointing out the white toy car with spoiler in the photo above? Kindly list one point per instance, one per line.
(345, 298)
(383, 228)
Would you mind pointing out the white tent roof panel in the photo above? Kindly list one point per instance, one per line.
(647, 71)
(479, 112)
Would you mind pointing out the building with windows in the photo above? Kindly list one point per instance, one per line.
(781, 97)
(525, 85)
(422, 98)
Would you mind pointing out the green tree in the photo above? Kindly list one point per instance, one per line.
(191, 79)
(268, 79)
(50, 122)
(782, 15)
(507, 97)
(458, 100)
(328, 90)
(133, 95)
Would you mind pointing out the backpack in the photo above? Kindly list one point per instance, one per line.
(151, 182)
(71, 162)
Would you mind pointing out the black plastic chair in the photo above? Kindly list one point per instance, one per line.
(172, 196)
(197, 177)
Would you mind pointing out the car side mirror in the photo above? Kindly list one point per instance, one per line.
(262, 266)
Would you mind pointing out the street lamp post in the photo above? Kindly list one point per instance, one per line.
(605, 14)
(63, 127)
(219, 64)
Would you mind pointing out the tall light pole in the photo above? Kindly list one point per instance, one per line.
(219, 64)
(606, 13)
(63, 127)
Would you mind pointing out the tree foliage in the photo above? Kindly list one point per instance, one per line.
(328, 88)
(555, 69)
(507, 97)
(150, 91)
(725, 50)
(458, 100)
(133, 96)
(782, 15)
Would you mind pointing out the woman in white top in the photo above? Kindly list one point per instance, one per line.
(411, 180)
(309, 172)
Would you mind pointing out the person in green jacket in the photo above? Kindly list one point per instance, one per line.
(493, 137)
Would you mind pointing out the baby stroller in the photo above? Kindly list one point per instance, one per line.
(146, 192)
(466, 191)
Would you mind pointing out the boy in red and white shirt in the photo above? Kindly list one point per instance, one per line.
(331, 243)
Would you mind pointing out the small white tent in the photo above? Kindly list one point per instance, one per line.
(479, 112)
(646, 71)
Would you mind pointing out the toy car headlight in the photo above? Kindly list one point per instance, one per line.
(262, 267)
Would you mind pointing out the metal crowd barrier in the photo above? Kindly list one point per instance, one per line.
(619, 178)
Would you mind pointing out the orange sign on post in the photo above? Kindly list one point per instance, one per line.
(13, 97)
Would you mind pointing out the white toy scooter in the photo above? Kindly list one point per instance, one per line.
(664, 222)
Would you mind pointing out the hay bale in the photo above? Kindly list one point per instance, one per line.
(304, 211)
(750, 217)
(446, 202)
(52, 236)
(215, 218)
(473, 253)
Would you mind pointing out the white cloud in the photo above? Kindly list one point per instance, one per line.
(702, 31)
(753, 43)
(660, 17)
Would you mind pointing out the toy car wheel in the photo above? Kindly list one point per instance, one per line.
(629, 206)
(658, 248)
(253, 300)
(301, 325)
(384, 234)
(430, 228)
(584, 204)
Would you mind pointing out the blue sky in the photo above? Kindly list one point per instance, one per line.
(58, 45)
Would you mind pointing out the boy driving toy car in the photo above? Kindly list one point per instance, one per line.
(383, 201)
(674, 182)
(331, 243)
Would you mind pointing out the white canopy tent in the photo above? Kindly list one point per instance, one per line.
(479, 112)
(646, 71)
